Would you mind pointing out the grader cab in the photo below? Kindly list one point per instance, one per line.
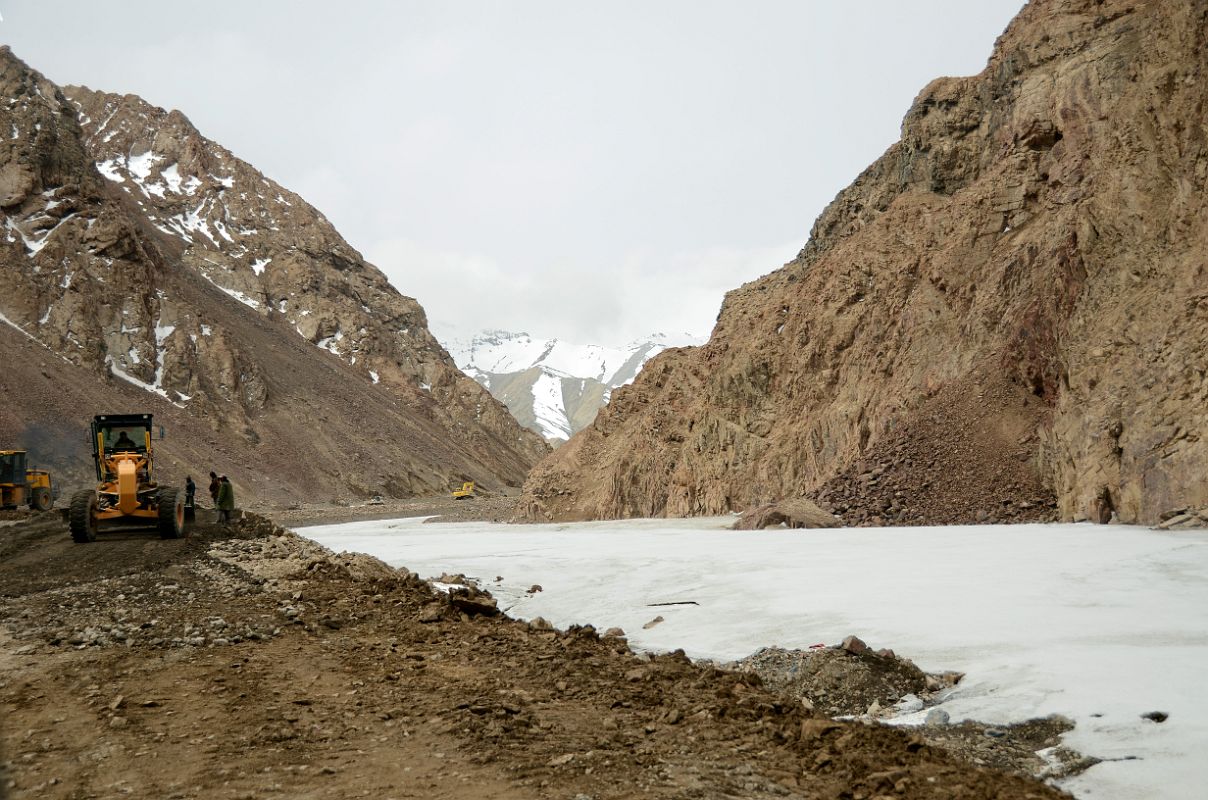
(127, 492)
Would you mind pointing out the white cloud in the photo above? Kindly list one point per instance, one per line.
(645, 292)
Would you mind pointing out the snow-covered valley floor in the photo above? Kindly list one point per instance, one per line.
(1101, 624)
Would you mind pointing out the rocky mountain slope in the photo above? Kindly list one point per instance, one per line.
(553, 387)
(139, 255)
(1007, 311)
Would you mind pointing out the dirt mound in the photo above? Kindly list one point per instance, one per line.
(850, 679)
(244, 661)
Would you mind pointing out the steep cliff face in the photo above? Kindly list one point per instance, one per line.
(1011, 303)
(150, 256)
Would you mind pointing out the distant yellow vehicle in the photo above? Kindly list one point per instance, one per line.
(24, 487)
(466, 490)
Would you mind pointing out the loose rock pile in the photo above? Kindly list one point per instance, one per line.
(1184, 519)
(853, 680)
(793, 513)
(849, 679)
(921, 474)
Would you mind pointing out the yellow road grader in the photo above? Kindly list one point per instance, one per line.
(127, 492)
(22, 486)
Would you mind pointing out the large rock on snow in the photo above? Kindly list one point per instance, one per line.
(794, 513)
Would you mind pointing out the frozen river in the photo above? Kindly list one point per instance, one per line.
(1099, 623)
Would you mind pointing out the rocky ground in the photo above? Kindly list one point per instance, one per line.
(246, 662)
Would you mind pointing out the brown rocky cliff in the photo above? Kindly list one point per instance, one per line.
(153, 258)
(1012, 299)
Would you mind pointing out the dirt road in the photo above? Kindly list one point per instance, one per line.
(246, 662)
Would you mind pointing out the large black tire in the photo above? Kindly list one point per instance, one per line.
(81, 516)
(171, 513)
(40, 499)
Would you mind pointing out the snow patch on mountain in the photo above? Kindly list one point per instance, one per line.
(552, 386)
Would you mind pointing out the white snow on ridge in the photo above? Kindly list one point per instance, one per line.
(498, 353)
(171, 176)
(503, 352)
(240, 296)
(331, 343)
(549, 408)
(140, 169)
(34, 243)
(1099, 623)
(194, 221)
(109, 170)
(140, 166)
(21, 330)
(154, 388)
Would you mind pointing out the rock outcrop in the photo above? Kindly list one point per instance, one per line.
(150, 257)
(1015, 290)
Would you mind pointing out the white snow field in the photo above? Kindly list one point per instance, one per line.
(1099, 623)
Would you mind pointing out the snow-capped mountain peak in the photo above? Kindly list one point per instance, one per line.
(553, 386)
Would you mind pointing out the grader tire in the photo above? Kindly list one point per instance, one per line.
(81, 516)
(40, 499)
(171, 513)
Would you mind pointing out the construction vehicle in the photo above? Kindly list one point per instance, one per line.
(127, 492)
(466, 490)
(21, 486)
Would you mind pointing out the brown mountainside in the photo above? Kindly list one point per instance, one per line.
(159, 272)
(1008, 309)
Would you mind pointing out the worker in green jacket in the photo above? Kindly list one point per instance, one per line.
(226, 499)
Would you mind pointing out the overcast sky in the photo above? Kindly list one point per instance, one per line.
(590, 171)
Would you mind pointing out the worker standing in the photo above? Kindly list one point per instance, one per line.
(226, 499)
(214, 484)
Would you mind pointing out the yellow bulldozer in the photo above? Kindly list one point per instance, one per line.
(127, 492)
(22, 486)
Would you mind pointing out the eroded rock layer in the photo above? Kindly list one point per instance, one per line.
(1013, 300)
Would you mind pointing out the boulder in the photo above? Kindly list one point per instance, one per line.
(795, 513)
(1186, 519)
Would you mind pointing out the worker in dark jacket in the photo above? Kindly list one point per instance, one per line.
(190, 491)
(214, 484)
(226, 499)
